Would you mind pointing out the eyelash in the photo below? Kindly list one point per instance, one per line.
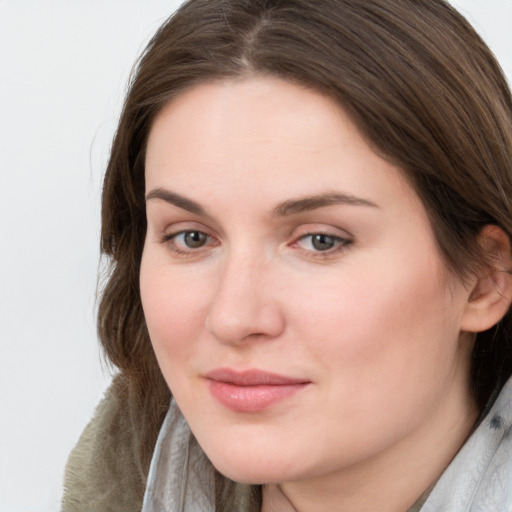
(340, 243)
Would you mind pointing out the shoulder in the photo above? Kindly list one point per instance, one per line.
(102, 473)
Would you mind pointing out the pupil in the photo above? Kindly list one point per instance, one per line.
(195, 239)
(322, 242)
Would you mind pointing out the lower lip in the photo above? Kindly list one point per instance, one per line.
(252, 398)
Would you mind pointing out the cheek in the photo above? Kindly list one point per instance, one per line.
(384, 347)
(174, 307)
(376, 324)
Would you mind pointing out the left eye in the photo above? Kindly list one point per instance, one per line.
(190, 239)
(321, 242)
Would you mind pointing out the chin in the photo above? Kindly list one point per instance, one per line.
(253, 476)
(253, 468)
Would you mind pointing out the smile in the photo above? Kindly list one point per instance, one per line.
(253, 390)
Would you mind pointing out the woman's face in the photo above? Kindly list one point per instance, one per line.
(294, 294)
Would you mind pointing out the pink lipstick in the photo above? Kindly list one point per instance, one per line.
(252, 390)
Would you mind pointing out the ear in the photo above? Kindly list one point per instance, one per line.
(491, 292)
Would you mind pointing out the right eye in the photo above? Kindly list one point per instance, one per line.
(188, 241)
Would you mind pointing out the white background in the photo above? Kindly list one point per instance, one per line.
(63, 70)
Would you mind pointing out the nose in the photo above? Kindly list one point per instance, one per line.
(245, 306)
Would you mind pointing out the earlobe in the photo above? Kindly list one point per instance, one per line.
(491, 293)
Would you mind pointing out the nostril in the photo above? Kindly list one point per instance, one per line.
(247, 322)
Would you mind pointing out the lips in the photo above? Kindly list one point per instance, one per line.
(252, 390)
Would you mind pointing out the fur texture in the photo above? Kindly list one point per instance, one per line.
(102, 473)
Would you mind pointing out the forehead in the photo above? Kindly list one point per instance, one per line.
(256, 107)
(263, 134)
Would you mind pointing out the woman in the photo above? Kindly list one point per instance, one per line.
(307, 211)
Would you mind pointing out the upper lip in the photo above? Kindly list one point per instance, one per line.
(252, 378)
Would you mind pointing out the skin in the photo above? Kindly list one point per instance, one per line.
(375, 323)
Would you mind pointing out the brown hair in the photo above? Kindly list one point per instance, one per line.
(416, 78)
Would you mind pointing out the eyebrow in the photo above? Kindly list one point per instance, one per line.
(303, 204)
(176, 200)
(289, 207)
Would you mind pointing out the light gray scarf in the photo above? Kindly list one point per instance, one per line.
(181, 478)
(479, 479)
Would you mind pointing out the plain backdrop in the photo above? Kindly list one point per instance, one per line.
(63, 71)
